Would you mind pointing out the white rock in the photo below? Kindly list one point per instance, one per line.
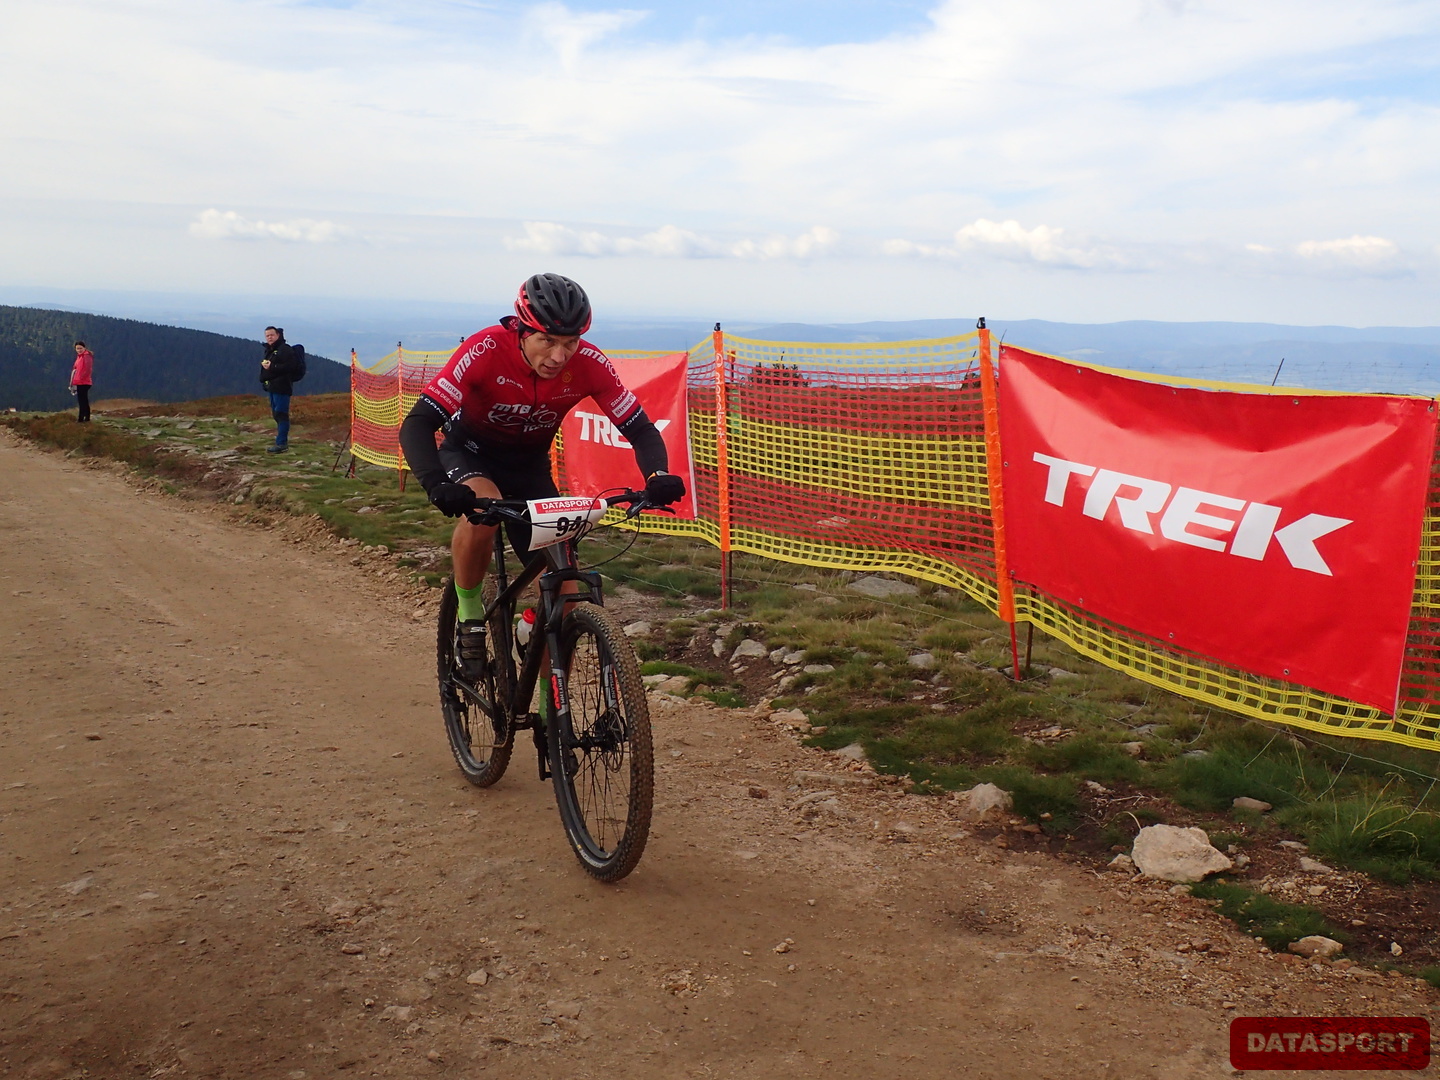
(786, 681)
(1314, 866)
(79, 885)
(855, 752)
(814, 797)
(809, 778)
(637, 629)
(718, 647)
(1316, 946)
(881, 588)
(1121, 863)
(777, 656)
(397, 1012)
(653, 680)
(1244, 802)
(922, 660)
(1175, 854)
(794, 657)
(984, 801)
(478, 978)
(674, 684)
(749, 647)
(790, 716)
(1134, 749)
(818, 669)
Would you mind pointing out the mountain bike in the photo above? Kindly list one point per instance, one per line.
(592, 732)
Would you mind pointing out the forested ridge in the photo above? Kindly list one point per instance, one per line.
(133, 359)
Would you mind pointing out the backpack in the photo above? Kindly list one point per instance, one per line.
(299, 351)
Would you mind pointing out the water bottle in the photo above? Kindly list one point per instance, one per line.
(524, 627)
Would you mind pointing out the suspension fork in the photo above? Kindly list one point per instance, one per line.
(554, 603)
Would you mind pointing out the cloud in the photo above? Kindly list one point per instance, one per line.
(669, 242)
(1042, 244)
(1141, 135)
(1360, 252)
(1045, 245)
(570, 33)
(228, 225)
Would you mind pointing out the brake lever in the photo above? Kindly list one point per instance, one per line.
(638, 508)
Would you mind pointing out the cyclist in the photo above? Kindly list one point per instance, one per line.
(500, 399)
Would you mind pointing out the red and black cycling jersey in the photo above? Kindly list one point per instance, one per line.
(487, 394)
(497, 399)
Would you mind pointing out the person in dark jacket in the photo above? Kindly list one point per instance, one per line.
(277, 372)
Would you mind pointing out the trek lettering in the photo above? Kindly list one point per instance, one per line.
(1137, 500)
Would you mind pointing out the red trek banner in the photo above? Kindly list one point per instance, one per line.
(598, 458)
(1275, 533)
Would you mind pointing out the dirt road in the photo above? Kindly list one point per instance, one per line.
(232, 844)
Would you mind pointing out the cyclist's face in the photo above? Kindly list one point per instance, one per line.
(547, 354)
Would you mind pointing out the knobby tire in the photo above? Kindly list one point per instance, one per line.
(480, 734)
(604, 767)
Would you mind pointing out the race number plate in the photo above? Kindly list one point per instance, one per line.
(567, 518)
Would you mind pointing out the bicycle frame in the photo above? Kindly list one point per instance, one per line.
(561, 562)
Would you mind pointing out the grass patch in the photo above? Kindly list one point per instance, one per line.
(1374, 835)
(1214, 781)
(1086, 756)
(1272, 921)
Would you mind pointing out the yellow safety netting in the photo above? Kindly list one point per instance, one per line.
(873, 457)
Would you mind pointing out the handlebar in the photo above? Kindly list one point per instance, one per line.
(494, 511)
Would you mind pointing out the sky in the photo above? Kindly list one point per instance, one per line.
(1087, 161)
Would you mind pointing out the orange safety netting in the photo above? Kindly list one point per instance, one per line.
(873, 457)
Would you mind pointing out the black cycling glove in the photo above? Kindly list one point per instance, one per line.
(663, 488)
(452, 500)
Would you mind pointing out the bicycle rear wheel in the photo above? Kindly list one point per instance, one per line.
(477, 725)
(603, 767)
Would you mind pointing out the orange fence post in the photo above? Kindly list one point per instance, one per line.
(399, 404)
(722, 466)
(994, 470)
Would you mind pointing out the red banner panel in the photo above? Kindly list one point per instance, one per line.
(598, 458)
(1329, 1042)
(1278, 534)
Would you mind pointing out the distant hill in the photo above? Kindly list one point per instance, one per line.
(133, 360)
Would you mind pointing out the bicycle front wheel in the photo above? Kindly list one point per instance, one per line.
(603, 762)
(477, 724)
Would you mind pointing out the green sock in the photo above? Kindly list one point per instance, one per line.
(471, 605)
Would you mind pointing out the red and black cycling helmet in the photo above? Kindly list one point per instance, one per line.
(553, 304)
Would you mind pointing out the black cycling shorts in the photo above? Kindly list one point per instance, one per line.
(519, 474)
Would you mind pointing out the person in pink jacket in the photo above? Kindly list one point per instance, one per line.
(81, 378)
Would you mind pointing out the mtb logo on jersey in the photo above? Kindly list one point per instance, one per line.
(506, 415)
(1137, 499)
(479, 349)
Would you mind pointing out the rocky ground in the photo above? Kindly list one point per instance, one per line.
(232, 844)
